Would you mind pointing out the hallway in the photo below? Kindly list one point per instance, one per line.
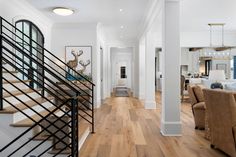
(125, 129)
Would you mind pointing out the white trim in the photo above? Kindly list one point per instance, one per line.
(98, 104)
(172, 1)
(84, 137)
(171, 128)
(150, 105)
(154, 10)
(141, 96)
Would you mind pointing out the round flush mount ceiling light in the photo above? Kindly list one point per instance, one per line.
(63, 11)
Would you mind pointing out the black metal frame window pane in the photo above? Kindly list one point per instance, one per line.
(34, 33)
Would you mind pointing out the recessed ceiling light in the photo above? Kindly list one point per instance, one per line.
(63, 11)
(121, 10)
(121, 27)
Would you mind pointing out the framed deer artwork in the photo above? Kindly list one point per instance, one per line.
(79, 58)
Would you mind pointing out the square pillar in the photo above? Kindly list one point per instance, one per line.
(150, 53)
(142, 69)
(170, 116)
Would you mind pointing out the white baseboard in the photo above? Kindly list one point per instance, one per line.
(150, 105)
(141, 97)
(171, 128)
(84, 137)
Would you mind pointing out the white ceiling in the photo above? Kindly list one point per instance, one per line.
(105, 11)
(196, 14)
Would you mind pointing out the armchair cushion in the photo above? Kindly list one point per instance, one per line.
(199, 106)
(199, 94)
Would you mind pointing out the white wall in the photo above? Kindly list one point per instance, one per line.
(100, 94)
(79, 35)
(202, 39)
(15, 10)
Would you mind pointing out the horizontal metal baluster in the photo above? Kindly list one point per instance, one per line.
(37, 62)
(29, 129)
(45, 151)
(51, 135)
(85, 112)
(85, 118)
(34, 91)
(34, 120)
(22, 71)
(35, 69)
(49, 59)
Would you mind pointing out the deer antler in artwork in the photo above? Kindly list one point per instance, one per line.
(84, 65)
(74, 63)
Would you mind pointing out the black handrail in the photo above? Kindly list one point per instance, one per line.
(59, 73)
(37, 62)
(63, 76)
(1, 65)
(68, 102)
(46, 50)
(25, 43)
(59, 87)
(35, 81)
(32, 79)
(37, 123)
(39, 73)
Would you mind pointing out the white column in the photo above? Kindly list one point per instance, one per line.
(150, 101)
(170, 122)
(142, 69)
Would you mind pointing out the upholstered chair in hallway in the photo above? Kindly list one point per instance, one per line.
(221, 107)
(198, 106)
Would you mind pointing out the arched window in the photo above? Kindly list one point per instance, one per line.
(26, 39)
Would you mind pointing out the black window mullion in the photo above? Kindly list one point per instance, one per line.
(23, 47)
(29, 45)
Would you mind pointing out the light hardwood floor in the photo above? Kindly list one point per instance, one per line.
(125, 129)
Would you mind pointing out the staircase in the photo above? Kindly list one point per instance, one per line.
(41, 112)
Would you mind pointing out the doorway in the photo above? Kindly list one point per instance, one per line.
(121, 75)
(121, 68)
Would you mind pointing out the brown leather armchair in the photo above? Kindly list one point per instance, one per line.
(221, 109)
(198, 106)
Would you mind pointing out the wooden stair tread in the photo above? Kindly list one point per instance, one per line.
(55, 151)
(17, 92)
(83, 127)
(28, 122)
(21, 106)
(11, 71)
(41, 138)
(16, 81)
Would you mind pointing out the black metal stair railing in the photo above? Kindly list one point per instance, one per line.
(72, 99)
(49, 60)
(73, 119)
